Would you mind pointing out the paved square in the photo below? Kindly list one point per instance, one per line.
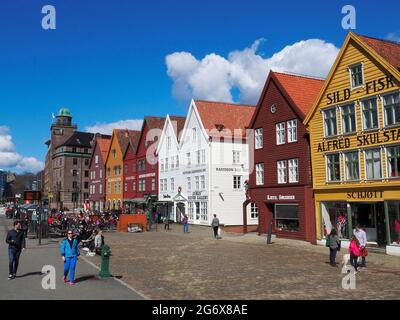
(173, 265)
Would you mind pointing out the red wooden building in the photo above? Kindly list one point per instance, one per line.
(280, 185)
(141, 168)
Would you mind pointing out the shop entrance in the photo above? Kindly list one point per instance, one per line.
(371, 216)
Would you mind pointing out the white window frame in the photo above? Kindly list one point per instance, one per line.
(189, 183)
(327, 168)
(346, 178)
(290, 171)
(353, 104)
(188, 159)
(197, 183)
(260, 174)
(280, 131)
(172, 184)
(292, 130)
(198, 157)
(324, 119)
(237, 185)
(365, 164)
(259, 138)
(254, 211)
(203, 156)
(235, 157)
(280, 170)
(351, 75)
(385, 125)
(387, 162)
(203, 182)
(362, 105)
(97, 159)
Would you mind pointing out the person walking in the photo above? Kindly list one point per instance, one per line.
(70, 254)
(185, 222)
(215, 225)
(333, 243)
(166, 222)
(16, 244)
(354, 250)
(99, 242)
(361, 236)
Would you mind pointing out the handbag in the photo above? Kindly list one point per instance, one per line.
(364, 252)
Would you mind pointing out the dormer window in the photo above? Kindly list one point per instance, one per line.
(220, 127)
(357, 76)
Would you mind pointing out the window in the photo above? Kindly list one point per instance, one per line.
(166, 164)
(134, 167)
(282, 172)
(74, 150)
(75, 162)
(101, 173)
(292, 131)
(198, 157)
(330, 122)
(142, 185)
(162, 165)
(197, 205)
(86, 185)
(189, 183)
(237, 182)
(236, 157)
(203, 182)
(287, 217)
(356, 75)
(108, 187)
(126, 169)
(370, 114)
(293, 171)
(126, 187)
(97, 159)
(108, 172)
(333, 167)
(280, 133)
(74, 185)
(169, 143)
(74, 173)
(188, 159)
(391, 105)
(142, 165)
(253, 211)
(393, 161)
(86, 174)
(191, 213)
(197, 183)
(114, 153)
(258, 137)
(101, 189)
(194, 134)
(172, 184)
(348, 119)
(260, 174)
(203, 156)
(153, 184)
(165, 182)
(134, 185)
(373, 166)
(204, 211)
(177, 162)
(172, 163)
(87, 162)
(117, 171)
(352, 166)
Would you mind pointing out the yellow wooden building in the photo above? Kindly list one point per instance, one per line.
(354, 129)
(114, 168)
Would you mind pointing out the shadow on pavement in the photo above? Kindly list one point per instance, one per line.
(84, 278)
(30, 274)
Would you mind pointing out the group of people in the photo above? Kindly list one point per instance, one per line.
(215, 224)
(357, 248)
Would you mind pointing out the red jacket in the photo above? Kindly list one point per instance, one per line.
(354, 249)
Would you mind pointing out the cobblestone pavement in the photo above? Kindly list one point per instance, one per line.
(194, 266)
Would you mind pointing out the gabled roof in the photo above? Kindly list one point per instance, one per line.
(224, 117)
(152, 123)
(104, 145)
(80, 140)
(133, 142)
(123, 136)
(180, 123)
(389, 50)
(386, 53)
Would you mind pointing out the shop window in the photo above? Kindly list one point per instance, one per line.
(253, 211)
(357, 76)
(191, 211)
(333, 167)
(258, 137)
(393, 161)
(260, 174)
(198, 212)
(394, 221)
(352, 165)
(330, 122)
(334, 216)
(293, 171)
(280, 134)
(391, 105)
(204, 211)
(373, 165)
(348, 119)
(281, 165)
(287, 217)
(370, 114)
(292, 131)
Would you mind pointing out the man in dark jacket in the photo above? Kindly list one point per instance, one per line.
(16, 243)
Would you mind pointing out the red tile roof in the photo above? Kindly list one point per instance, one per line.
(226, 117)
(124, 135)
(389, 50)
(178, 123)
(104, 145)
(301, 89)
(155, 122)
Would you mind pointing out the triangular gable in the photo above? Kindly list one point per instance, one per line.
(111, 143)
(379, 59)
(93, 153)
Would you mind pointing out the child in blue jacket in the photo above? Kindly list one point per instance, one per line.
(70, 253)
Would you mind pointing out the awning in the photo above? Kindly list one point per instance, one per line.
(136, 200)
(164, 203)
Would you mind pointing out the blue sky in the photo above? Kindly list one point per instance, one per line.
(106, 60)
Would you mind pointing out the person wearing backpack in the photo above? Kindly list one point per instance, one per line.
(333, 243)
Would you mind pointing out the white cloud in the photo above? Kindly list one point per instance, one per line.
(393, 36)
(107, 128)
(215, 77)
(11, 160)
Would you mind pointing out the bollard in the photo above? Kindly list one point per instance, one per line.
(105, 262)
